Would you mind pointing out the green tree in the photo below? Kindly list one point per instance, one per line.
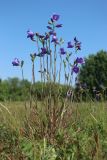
(94, 71)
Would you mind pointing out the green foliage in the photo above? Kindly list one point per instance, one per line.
(94, 71)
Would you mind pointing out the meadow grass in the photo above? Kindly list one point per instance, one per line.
(82, 135)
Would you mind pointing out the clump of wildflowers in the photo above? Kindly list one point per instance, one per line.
(48, 56)
(54, 60)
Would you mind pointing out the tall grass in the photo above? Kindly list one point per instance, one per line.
(80, 135)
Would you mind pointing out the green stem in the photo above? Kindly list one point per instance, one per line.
(33, 72)
(60, 68)
(50, 60)
(54, 76)
(40, 59)
(47, 61)
(43, 69)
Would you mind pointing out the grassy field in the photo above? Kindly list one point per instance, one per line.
(26, 135)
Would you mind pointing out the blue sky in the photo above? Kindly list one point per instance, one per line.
(86, 19)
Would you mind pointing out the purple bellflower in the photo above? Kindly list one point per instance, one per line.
(30, 35)
(70, 45)
(54, 39)
(16, 62)
(55, 17)
(44, 50)
(79, 60)
(62, 51)
(75, 69)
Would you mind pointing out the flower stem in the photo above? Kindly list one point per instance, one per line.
(33, 72)
(54, 76)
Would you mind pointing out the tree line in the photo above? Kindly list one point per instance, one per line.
(14, 89)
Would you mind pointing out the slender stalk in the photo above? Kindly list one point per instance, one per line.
(44, 69)
(24, 87)
(50, 60)
(60, 68)
(54, 75)
(33, 82)
(33, 72)
(41, 67)
(70, 76)
(64, 63)
(47, 61)
(40, 59)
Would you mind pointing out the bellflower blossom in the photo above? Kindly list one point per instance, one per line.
(62, 51)
(79, 60)
(44, 50)
(75, 69)
(70, 45)
(54, 39)
(30, 35)
(55, 17)
(16, 62)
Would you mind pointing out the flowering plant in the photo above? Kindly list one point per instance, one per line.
(55, 63)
